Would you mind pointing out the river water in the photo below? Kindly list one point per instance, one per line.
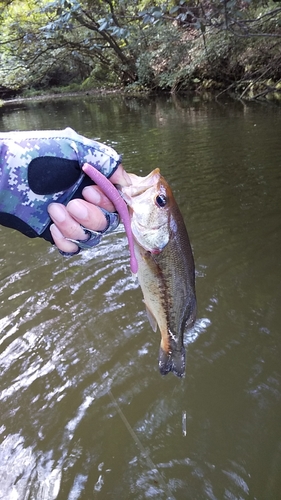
(85, 413)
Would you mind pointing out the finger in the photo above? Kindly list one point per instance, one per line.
(67, 226)
(60, 241)
(118, 201)
(94, 195)
(120, 177)
(90, 216)
(106, 186)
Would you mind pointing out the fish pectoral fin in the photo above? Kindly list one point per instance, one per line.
(151, 319)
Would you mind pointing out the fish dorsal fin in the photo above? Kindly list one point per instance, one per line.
(151, 319)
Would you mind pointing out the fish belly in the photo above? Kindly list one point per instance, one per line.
(159, 298)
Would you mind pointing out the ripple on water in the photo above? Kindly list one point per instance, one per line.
(84, 411)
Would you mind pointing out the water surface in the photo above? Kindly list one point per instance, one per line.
(85, 413)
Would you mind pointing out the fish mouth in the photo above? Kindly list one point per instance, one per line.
(139, 185)
(133, 192)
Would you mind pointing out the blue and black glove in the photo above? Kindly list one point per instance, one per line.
(41, 167)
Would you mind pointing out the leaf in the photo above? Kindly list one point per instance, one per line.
(104, 26)
(157, 14)
(147, 18)
(174, 9)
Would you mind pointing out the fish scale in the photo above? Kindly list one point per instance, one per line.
(166, 269)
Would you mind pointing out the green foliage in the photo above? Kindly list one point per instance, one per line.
(176, 44)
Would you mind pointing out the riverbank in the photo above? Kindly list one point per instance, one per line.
(248, 90)
(215, 48)
(48, 96)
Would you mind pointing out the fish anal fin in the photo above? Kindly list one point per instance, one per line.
(151, 318)
(165, 345)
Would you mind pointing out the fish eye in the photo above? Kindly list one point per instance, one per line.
(161, 200)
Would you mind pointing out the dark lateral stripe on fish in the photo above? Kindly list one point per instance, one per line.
(166, 266)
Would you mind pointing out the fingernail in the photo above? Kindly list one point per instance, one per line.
(55, 232)
(57, 212)
(77, 209)
(61, 242)
(92, 195)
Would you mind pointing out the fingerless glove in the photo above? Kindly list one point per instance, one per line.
(40, 167)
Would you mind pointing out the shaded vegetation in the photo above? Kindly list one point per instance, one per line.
(149, 45)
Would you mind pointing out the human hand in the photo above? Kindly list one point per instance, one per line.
(67, 220)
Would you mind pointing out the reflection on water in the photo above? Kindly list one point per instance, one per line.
(84, 410)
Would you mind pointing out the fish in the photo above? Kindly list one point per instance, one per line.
(161, 257)
(165, 264)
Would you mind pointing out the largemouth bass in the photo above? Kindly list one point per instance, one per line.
(161, 255)
(165, 264)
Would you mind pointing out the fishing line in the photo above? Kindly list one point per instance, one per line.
(145, 453)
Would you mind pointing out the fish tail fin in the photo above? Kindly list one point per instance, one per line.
(172, 361)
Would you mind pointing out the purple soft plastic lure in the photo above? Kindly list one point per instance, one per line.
(112, 193)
